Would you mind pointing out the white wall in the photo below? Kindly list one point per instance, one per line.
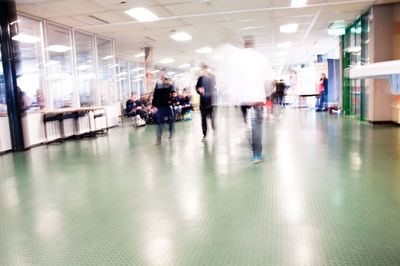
(5, 139)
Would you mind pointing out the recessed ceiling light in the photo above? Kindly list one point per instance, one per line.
(289, 28)
(336, 32)
(167, 61)
(139, 55)
(299, 3)
(58, 48)
(141, 14)
(26, 38)
(284, 45)
(204, 50)
(181, 36)
(218, 57)
(184, 66)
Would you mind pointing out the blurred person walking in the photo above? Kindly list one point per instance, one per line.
(249, 83)
(205, 87)
(323, 90)
(162, 100)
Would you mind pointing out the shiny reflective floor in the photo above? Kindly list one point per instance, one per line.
(327, 194)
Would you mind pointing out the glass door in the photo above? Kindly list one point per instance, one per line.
(5, 139)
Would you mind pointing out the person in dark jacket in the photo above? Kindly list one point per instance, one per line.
(206, 88)
(162, 100)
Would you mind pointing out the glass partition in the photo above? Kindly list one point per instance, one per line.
(86, 76)
(3, 102)
(28, 51)
(123, 80)
(137, 76)
(59, 50)
(106, 68)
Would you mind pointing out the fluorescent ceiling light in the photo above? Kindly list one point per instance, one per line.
(141, 14)
(181, 36)
(26, 38)
(140, 76)
(138, 69)
(112, 66)
(204, 50)
(58, 48)
(336, 32)
(155, 71)
(252, 28)
(139, 55)
(284, 45)
(167, 61)
(218, 57)
(170, 73)
(137, 80)
(195, 68)
(289, 28)
(184, 66)
(299, 3)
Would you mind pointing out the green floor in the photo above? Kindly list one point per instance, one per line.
(327, 194)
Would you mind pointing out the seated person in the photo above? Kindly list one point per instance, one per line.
(132, 105)
(176, 105)
(147, 107)
(185, 102)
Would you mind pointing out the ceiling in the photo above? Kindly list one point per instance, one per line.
(210, 22)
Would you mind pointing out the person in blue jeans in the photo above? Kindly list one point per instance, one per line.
(162, 100)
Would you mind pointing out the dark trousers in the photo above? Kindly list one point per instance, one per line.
(207, 110)
(164, 115)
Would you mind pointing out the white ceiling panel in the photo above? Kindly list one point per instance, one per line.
(71, 7)
(210, 23)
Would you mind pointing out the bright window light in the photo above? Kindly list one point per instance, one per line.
(107, 57)
(58, 48)
(284, 45)
(181, 36)
(84, 67)
(289, 28)
(26, 38)
(138, 69)
(299, 3)
(112, 66)
(184, 66)
(336, 32)
(282, 53)
(141, 14)
(167, 61)
(139, 55)
(204, 50)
